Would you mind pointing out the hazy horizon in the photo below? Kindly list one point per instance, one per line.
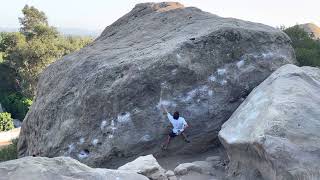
(95, 15)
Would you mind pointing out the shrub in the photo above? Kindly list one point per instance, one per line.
(9, 152)
(17, 105)
(306, 48)
(6, 122)
(8, 78)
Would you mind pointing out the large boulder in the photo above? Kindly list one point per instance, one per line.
(59, 168)
(275, 133)
(101, 104)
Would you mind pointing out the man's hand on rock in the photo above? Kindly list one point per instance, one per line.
(164, 109)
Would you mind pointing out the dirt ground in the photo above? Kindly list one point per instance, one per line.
(6, 137)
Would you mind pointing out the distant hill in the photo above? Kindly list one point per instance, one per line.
(8, 29)
(64, 31)
(311, 28)
(79, 32)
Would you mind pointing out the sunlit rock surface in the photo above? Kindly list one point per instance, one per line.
(275, 132)
(59, 168)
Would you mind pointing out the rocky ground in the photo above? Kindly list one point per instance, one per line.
(216, 170)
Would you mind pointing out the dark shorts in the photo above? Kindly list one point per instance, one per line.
(172, 134)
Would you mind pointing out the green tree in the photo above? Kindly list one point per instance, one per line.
(35, 47)
(6, 122)
(9, 40)
(32, 18)
(17, 105)
(24, 55)
(306, 48)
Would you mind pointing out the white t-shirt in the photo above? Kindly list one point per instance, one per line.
(178, 124)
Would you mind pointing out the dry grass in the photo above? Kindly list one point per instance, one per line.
(9, 152)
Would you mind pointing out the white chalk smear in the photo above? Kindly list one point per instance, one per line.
(221, 72)
(212, 78)
(240, 63)
(103, 124)
(95, 142)
(124, 118)
(81, 140)
(145, 138)
(166, 103)
(223, 82)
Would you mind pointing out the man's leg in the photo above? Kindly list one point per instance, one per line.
(185, 137)
(166, 143)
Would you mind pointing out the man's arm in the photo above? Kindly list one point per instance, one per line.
(164, 109)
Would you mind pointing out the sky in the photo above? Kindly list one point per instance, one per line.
(97, 14)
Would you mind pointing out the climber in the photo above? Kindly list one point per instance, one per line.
(179, 125)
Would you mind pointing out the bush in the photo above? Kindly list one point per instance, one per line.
(306, 48)
(9, 152)
(6, 122)
(17, 105)
(8, 78)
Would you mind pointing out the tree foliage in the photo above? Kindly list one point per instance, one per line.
(7, 80)
(25, 54)
(6, 122)
(36, 46)
(31, 21)
(307, 49)
(16, 104)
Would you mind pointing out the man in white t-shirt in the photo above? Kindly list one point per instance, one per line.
(179, 125)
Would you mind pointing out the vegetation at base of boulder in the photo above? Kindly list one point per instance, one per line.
(6, 122)
(36, 46)
(307, 48)
(9, 152)
(16, 104)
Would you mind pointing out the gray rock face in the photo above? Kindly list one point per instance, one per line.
(101, 104)
(1, 109)
(17, 123)
(275, 133)
(59, 168)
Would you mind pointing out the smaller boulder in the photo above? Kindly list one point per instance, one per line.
(147, 166)
(173, 178)
(274, 133)
(185, 168)
(213, 159)
(59, 168)
(170, 175)
(216, 162)
(205, 166)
